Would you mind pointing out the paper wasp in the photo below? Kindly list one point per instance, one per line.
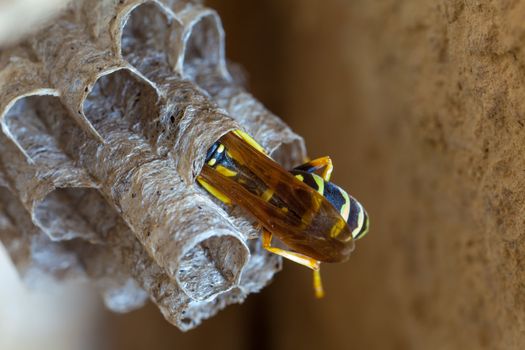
(313, 217)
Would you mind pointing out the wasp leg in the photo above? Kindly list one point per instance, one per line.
(298, 258)
(318, 284)
(215, 192)
(295, 257)
(315, 165)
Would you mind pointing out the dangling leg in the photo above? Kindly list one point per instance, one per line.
(298, 258)
(318, 284)
(315, 165)
(295, 257)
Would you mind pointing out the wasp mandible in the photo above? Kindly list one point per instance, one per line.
(316, 219)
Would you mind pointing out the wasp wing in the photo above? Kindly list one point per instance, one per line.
(311, 225)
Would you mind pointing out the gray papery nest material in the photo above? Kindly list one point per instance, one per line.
(106, 117)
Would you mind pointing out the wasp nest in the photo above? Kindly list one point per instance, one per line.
(106, 118)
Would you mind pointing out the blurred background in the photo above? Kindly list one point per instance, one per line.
(419, 104)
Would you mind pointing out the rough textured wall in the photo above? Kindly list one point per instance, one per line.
(420, 103)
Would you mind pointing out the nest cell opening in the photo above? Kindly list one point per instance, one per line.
(41, 128)
(63, 214)
(148, 37)
(29, 124)
(23, 124)
(212, 266)
(203, 47)
(33, 253)
(120, 101)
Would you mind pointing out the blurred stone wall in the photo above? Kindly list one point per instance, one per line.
(421, 104)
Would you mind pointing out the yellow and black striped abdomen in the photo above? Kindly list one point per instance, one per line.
(349, 208)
